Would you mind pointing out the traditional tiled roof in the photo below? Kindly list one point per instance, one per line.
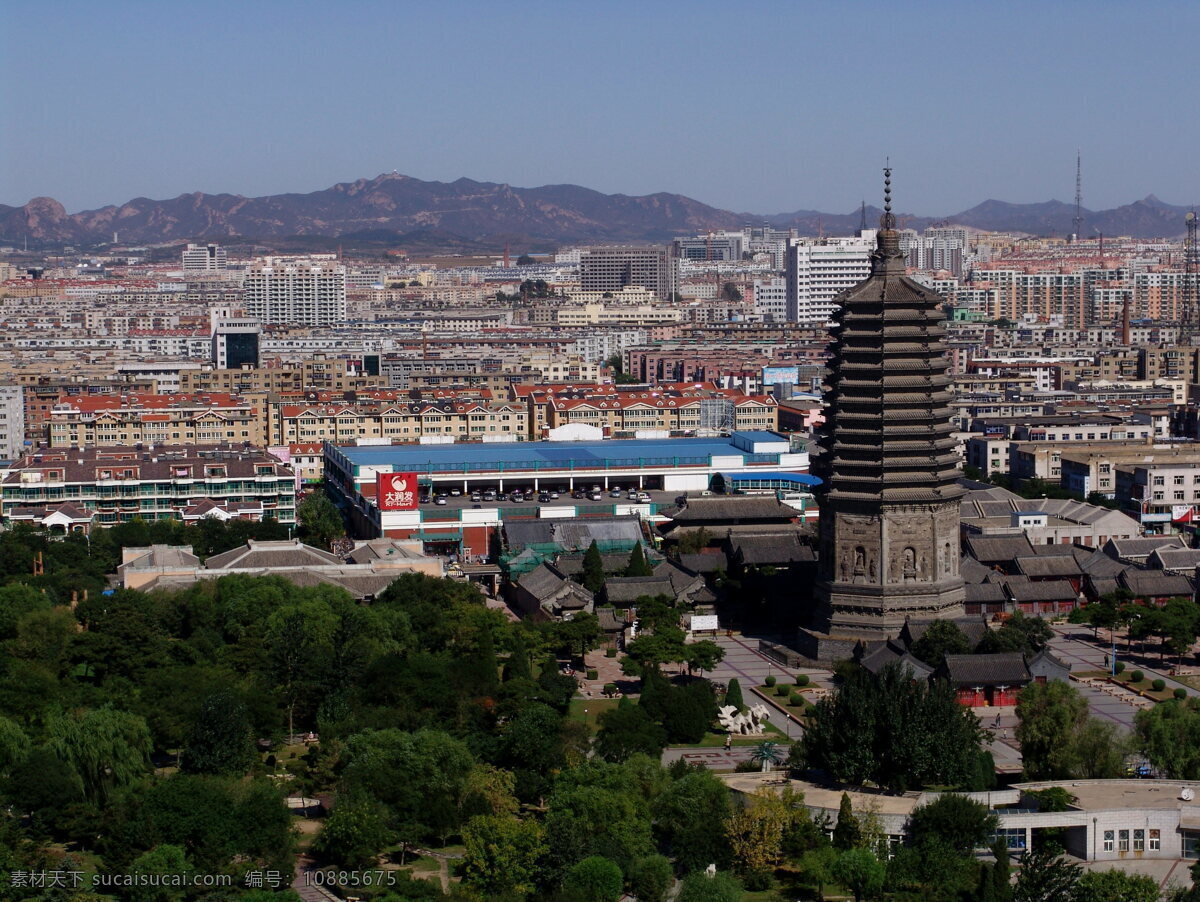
(780, 549)
(1048, 590)
(998, 549)
(1062, 565)
(1004, 668)
(628, 589)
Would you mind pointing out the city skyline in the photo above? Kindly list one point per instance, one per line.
(132, 110)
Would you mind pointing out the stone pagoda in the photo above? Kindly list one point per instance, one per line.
(889, 526)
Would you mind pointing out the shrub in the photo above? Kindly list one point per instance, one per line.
(769, 681)
(610, 688)
(795, 699)
(1120, 668)
(758, 880)
(610, 652)
(747, 767)
(1180, 693)
(782, 690)
(802, 679)
(1158, 685)
(592, 673)
(1137, 676)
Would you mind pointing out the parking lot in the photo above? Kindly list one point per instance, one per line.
(582, 497)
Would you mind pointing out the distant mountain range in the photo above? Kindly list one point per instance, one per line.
(463, 216)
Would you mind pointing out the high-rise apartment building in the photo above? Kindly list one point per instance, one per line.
(202, 257)
(936, 249)
(12, 421)
(618, 266)
(818, 271)
(308, 291)
(770, 299)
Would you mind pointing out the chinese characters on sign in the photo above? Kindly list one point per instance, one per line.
(396, 491)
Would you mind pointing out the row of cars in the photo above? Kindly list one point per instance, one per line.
(542, 496)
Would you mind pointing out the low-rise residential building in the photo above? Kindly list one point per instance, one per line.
(449, 419)
(206, 418)
(72, 489)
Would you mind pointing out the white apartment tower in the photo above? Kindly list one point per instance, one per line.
(308, 291)
(12, 421)
(204, 258)
(820, 270)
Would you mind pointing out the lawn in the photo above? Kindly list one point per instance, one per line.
(1144, 687)
(715, 739)
(588, 710)
(783, 701)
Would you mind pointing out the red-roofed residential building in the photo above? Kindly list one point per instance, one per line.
(206, 418)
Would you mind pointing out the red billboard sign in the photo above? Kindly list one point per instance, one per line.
(396, 491)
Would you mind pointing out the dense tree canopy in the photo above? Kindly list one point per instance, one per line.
(893, 731)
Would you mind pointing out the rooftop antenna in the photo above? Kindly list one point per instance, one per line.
(1078, 220)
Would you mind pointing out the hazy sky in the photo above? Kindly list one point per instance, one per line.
(759, 107)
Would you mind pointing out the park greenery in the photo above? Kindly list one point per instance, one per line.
(161, 733)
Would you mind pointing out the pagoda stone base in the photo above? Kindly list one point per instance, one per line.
(847, 614)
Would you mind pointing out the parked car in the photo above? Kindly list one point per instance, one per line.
(441, 499)
(615, 493)
(475, 496)
(543, 498)
(456, 492)
(596, 496)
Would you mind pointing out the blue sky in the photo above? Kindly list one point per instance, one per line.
(759, 107)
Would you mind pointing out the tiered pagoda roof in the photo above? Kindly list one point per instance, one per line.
(887, 437)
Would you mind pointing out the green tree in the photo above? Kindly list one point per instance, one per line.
(320, 520)
(941, 638)
(894, 731)
(106, 748)
(14, 746)
(1115, 886)
(703, 655)
(525, 260)
(860, 872)
(1001, 874)
(816, 866)
(699, 887)
(500, 855)
(650, 878)
(221, 741)
(694, 542)
(593, 569)
(531, 745)
(959, 822)
(690, 816)
(1100, 750)
(1019, 633)
(581, 633)
(166, 860)
(354, 834)
(628, 729)
(1045, 877)
(638, 565)
(594, 879)
(733, 694)
(1049, 715)
(847, 833)
(1169, 735)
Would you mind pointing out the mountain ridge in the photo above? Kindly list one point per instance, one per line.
(492, 214)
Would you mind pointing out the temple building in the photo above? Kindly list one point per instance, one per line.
(889, 498)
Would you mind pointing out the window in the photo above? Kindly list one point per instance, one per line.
(1123, 841)
(1139, 840)
(1108, 840)
(1155, 840)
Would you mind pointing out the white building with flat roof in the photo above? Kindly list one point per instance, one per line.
(309, 291)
